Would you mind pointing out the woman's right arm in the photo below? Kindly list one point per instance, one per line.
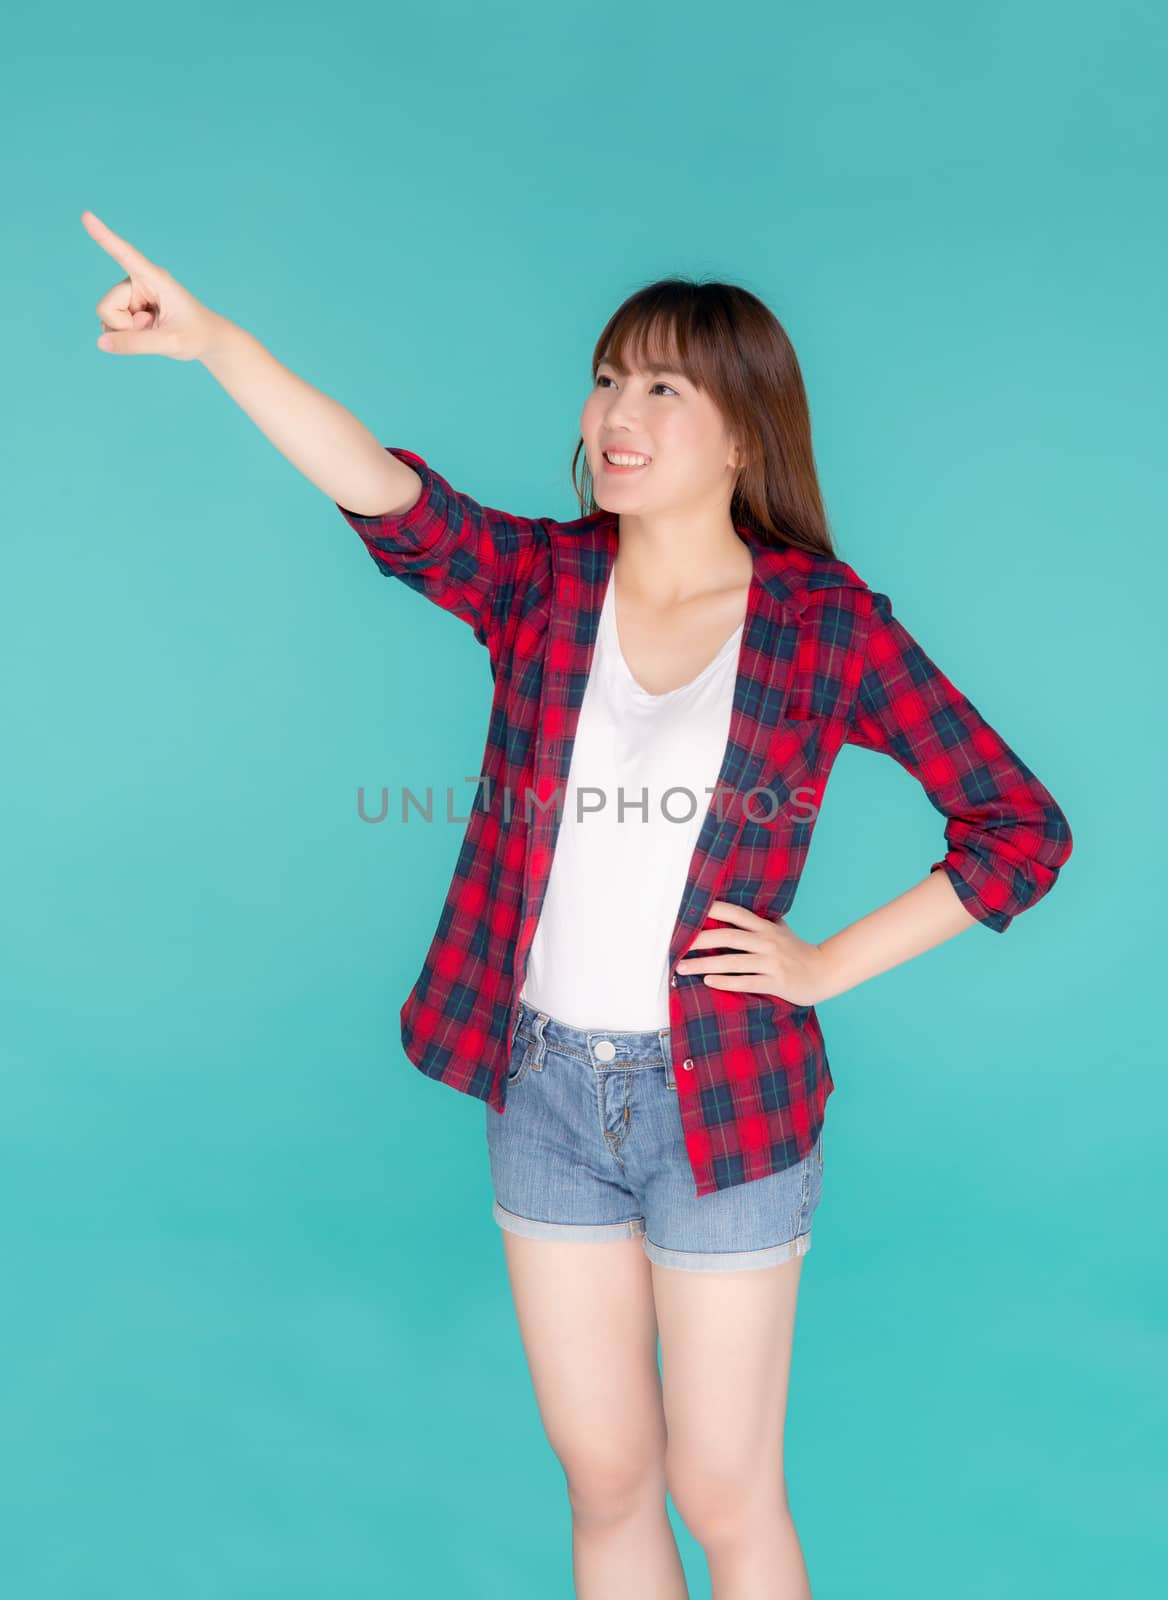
(417, 527)
(318, 435)
(461, 555)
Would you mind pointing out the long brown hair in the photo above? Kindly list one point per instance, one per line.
(728, 343)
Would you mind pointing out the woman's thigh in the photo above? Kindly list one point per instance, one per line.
(726, 1340)
(588, 1323)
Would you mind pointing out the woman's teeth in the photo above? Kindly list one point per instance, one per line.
(621, 460)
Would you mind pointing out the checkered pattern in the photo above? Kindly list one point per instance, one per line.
(823, 662)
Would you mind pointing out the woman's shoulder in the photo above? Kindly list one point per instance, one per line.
(813, 578)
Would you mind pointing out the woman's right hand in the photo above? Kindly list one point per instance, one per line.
(148, 312)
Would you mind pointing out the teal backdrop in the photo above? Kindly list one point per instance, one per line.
(257, 1334)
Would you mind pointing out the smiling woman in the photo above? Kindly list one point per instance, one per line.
(618, 984)
(615, 977)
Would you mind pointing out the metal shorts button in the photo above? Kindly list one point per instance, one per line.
(605, 1049)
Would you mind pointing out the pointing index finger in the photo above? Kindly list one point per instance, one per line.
(122, 251)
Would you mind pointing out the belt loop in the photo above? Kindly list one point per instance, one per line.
(666, 1054)
(539, 1043)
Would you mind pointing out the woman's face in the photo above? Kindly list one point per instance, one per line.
(660, 415)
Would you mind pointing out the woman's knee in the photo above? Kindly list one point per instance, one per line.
(717, 1500)
(607, 1486)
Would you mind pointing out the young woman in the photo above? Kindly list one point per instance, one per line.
(674, 674)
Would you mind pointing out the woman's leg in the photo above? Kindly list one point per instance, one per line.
(726, 1355)
(586, 1318)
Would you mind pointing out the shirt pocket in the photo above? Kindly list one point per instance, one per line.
(799, 753)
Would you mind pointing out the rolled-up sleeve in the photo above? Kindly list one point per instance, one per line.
(463, 556)
(1006, 836)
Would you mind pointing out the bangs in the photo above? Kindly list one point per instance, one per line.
(666, 338)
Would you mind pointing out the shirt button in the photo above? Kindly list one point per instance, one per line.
(605, 1049)
(687, 1064)
(673, 981)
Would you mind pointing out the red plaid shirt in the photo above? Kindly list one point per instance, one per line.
(823, 662)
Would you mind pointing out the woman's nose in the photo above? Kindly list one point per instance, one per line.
(621, 413)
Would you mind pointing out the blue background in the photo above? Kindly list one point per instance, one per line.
(257, 1337)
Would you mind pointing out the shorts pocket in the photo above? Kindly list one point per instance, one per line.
(522, 1050)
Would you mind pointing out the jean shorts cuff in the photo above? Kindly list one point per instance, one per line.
(530, 1228)
(728, 1260)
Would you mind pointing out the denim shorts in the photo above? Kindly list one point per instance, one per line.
(590, 1147)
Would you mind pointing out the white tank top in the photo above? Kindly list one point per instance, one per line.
(600, 954)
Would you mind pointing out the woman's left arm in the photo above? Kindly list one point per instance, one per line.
(768, 957)
(923, 916)
(1007, 838)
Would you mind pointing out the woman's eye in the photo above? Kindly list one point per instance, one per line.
(604, 378)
